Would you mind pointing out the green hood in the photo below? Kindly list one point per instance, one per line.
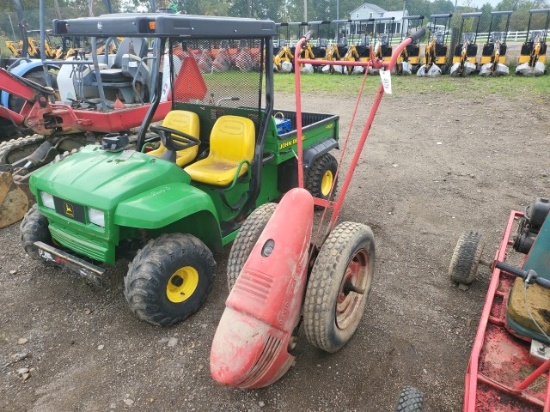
(100, 179)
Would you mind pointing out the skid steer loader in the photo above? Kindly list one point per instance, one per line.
(532, 59)
(493, 56)
(465, 53)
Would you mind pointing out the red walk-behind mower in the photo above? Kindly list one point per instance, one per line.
(281, 274)
(510, 360)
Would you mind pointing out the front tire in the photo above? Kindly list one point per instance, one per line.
(34, 228)
(248, 235)
(339, 286)
(466, 258)
(169, 279)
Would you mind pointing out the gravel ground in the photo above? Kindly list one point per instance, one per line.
(434, 166)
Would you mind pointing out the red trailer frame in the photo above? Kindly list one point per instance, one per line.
(501, 375)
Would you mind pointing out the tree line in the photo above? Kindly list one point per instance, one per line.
(277, 10)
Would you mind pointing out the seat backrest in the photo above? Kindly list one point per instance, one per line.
(130, 45)
(187, 122)
(232, 139)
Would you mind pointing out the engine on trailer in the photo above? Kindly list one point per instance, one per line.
(530, 224)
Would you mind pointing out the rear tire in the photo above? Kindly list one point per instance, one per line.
(410, 400)
(248, 235)
(15, 103)
(466, 258)
(321, 179)
(332, 308)
(169, 279)
(34, 228)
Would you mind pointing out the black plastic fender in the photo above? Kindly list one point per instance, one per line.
(317, 150)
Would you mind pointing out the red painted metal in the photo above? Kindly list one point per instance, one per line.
(374, 63)
(13, 85)
(46, 118)
(14, 117)
(250, 347)
(501, 375)
(63, 118)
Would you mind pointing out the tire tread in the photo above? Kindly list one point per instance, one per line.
(466, 258)
(410, 400)
(319, 302)
(246, 239)
(145, 274)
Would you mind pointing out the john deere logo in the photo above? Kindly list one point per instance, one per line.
(69, 211)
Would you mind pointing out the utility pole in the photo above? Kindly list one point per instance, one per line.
(404, 29)
(305, 10)
(12, 29)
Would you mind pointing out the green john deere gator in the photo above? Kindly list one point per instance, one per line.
(175, 194)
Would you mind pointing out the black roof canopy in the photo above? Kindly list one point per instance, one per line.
(164, 25)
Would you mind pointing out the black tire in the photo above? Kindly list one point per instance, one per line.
(169, 279)
(410, 400)
(321, 178)
(34, 228)
(246, 239)
(15, 103)
(332, 309)
(466, 258)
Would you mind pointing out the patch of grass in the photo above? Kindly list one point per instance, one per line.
(473, 85)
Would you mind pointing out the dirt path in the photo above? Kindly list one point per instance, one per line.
(434, 166)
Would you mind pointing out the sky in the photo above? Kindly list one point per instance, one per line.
(477, 3)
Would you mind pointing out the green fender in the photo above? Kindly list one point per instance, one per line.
(172, 207)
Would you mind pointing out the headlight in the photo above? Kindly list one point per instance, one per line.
(47, 200)
(97, 217)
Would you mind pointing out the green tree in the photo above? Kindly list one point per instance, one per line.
(486, 10)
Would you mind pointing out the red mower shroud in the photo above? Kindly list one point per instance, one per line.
(251, 342)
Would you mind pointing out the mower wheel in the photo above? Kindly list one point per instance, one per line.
(246, 239)
(169, 279)
(339, 285)
(466, 258)
(410, 400)
(321, 178)
(34, 228)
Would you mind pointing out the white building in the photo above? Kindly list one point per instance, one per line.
(370, 19)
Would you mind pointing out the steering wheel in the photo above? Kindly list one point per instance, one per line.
(174, 139)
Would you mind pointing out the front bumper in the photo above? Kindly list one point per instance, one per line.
(86, 270)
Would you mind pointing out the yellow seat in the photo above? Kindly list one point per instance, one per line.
(186, 122)
(232, 142)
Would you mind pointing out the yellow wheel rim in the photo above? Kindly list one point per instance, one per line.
(182, 284)
(326, 183)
